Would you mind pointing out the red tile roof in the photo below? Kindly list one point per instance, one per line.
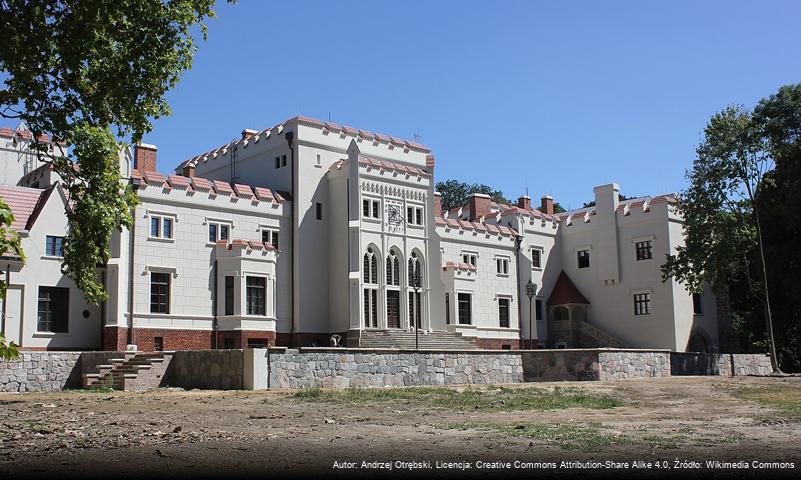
(24, 203)
(565, 292)
(459, 266)
(248, 244)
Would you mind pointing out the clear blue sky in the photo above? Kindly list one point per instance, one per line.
(561, 96)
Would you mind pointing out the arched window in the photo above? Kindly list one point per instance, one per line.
(370, 273)
(370, 277)
(415, 280)
(393, 268)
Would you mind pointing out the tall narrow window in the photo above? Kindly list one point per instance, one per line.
(366, 208)
(229, 295)
(54, 246)
(393, 269)
(583, 259)
(167, 227)
(538, 309)
(536, 258)
(502, 265)
(53, 309)
(319, 210)
(283, 160)
(376, 209)
(213, 232)
(642, 303)
(370, 291)
(155, 227)
(503, 312)
(159, 292)
(223, 232)
(255, 295)
(698, 304)
(464, 307)
(447, 309)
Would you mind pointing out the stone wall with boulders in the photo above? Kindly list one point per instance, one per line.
(724, 364)
(367, 368)
(41, 372)
(617, 365)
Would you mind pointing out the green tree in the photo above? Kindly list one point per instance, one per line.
(9, 245)
(89, 72)
(721, 213)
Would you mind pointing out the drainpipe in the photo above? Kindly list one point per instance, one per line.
(5, 300)
(290, 137)
(103, 306)
(214, 326)
(131, 246)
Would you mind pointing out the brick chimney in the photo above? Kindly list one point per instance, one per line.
(524, 202)
(546, 205)
(145, 157)
(188, 171)
(437, 204)
(247, 133)
(479, 205)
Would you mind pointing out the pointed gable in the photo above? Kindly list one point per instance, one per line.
(565, 291)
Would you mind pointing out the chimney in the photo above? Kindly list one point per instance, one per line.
(479, 206)
(437, 204)
(546, 205)
(247, 133)
(188, 171)
(145, 157)
(607, 197)
(524, 202)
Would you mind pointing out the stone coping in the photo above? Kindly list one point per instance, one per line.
(477, 351)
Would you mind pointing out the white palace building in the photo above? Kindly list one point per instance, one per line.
(311, 234)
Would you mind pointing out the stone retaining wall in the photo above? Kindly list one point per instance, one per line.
(41, 372)
(207, 369)
(616, 365)
(720, 364)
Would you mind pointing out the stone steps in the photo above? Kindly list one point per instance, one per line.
(140, 371)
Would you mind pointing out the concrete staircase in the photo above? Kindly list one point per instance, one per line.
(402, 340)
(131, 372)
(602, 337)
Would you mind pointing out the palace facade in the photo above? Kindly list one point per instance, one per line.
(311, 233)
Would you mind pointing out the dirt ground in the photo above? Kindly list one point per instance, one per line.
(181, 433)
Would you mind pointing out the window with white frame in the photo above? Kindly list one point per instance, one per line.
(464, 308)
(159, 292)
(219, 231)
(502, 265)
(370, 291)
(503, 311)
(583, 258)
(470, 258)
(644, 250)
(371, 208)
(269, 236)
(536, 257)
(642, 303)
(414, 215)
(256, 295)
(161, 226)
(54, 246)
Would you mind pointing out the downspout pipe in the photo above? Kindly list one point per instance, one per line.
(518, 246)
(131, 246)
(214, 326)
(290, 137)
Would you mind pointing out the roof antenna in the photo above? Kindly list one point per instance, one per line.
(417, 137)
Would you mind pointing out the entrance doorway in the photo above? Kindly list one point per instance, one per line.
(393, 309)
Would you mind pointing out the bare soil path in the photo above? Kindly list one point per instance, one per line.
(181, 433)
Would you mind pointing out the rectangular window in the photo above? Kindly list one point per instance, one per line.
(536, 258)
(698, 304)
(370, 208)
(54, 246)
(418, 214)
(270, 237)
(167, 227)
(158, 344)
(469, 258)
(255, 295)
(376, 209)
(277, 162)
(257, 343)
(583, 259)
(319, 210)
(642, 303)
(229, 295)
(218, 231)
(366, 208)
(283, 160)
(538, 309)
(644, 250)
(503, 312)
(159, 292)
(409, 215)
(502, 265)
(465, 316)
(447, 309)
(53, 309)
(155, 226)
(229, 344)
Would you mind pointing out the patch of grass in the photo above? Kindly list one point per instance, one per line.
(665, 443)
(497, 399)
(89, 390)
(586, 437)
(786, 399)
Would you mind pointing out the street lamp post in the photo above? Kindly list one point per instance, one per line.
(531, 290)
(416, 303)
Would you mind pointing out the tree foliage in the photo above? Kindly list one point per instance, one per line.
(456, 194)
(9, 245)
(745, 182)
(84, 71)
